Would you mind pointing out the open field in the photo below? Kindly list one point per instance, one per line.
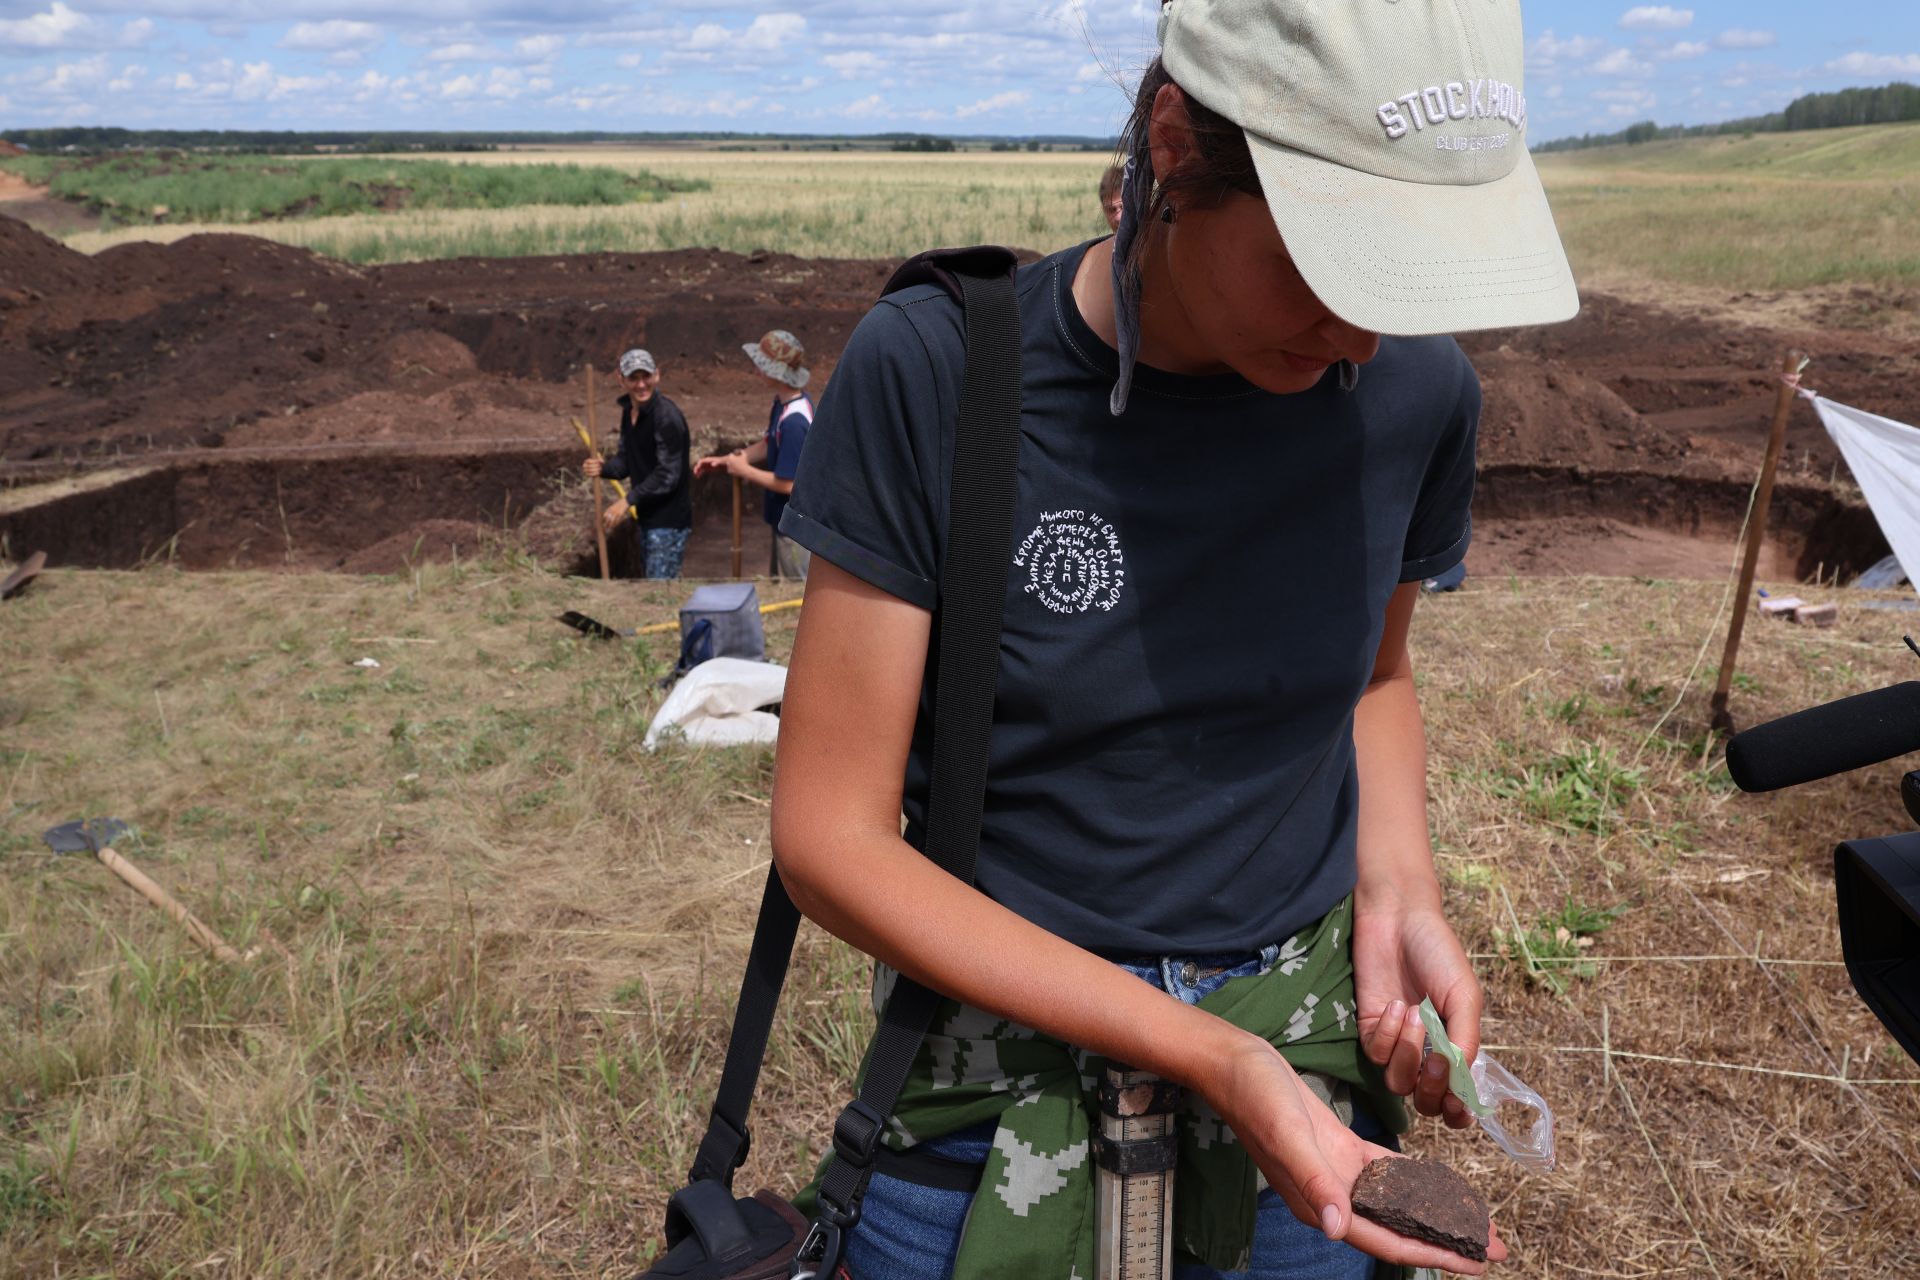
(499, 941)
(1782, 211)
(1825, 210)
(159, 187)
(811, 204)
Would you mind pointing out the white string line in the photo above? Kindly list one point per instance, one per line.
(1620, 1081)
(1713, 628)
(1880, 1125)
(1699, 959)
(1611, 1052)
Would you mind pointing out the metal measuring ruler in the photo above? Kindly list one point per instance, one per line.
(1134, 1157)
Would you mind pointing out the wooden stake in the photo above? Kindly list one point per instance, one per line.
(1756, 534)
(736, 527)
(599, 493)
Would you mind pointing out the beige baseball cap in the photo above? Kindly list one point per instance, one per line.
(1390, 140)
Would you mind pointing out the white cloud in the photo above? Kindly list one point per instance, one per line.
(1682, 50)
(1875, 65)
(865, 108)
(630, 60)
(336, 35)
(538, 48)
(1625, 103)
(1548, 49)
(709, 35)
(1621, 62)
(256, 81)
(1656, 17)
(855, 64)
(58, 28)
(460, 87)
(462, 51)
(70, 79)
(770, 31)
(136, 33)
(1744, 38)
(124, 82)
(998, 102)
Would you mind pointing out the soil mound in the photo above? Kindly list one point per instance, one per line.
(33, 266)
(1537, 410)
(426, 351)
(8, 150)
(429, 542)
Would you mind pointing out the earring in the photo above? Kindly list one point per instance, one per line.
(1167, 214)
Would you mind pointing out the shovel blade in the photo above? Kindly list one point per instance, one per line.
(89, 835)
(589, 626)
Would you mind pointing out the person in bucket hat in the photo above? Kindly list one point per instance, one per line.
(773, 461)
(1197, 786)
(652, 459)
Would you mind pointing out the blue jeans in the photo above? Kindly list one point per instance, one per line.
(910, 1232)
(664, 549)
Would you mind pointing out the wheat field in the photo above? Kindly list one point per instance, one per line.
(815, 204)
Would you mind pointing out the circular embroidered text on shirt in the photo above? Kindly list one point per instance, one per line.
(1073, 561)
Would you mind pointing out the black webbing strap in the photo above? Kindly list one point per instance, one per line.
(966, 666)
(724, 1148)
(973, 590)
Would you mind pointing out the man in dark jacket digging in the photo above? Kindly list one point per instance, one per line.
(652, 459)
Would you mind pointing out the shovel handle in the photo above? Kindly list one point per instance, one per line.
(160, 898)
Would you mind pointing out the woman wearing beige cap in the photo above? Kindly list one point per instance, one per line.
(1244, 444)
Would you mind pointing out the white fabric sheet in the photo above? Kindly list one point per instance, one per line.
(1884, 457)
(717, 704)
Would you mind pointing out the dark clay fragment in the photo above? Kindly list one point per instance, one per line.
(1424, 1200)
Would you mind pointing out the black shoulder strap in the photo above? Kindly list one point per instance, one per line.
(973, 579)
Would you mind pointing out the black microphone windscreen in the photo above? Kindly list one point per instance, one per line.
(1833, 738)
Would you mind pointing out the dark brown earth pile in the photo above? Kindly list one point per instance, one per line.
(233, 341)
(216, 343)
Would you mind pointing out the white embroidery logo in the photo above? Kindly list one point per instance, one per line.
(1073, 561)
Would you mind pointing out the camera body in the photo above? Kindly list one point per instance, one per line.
(1877, 887)
(1876, 882)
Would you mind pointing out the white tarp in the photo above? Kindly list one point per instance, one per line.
(717, 704)
(1884, 457)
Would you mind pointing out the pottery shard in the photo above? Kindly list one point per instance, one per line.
(1424, 1200)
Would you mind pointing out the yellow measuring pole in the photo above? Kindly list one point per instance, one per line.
(659, 628)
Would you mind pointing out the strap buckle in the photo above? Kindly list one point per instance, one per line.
(723, 1149)
(819, 1255)
(857, 1132)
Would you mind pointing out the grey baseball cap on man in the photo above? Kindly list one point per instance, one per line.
(637, 361)
(1390, 140)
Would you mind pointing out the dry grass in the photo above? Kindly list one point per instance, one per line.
(1773, 211)
(510, 935)
(817, 204)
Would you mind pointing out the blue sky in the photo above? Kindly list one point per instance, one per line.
(941, 66)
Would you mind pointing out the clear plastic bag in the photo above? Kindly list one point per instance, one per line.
(1485, 1087)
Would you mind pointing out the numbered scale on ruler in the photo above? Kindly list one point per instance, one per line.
(1134, 1153)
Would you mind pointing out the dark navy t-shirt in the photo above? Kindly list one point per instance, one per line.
(1196, 594)
(787, 424)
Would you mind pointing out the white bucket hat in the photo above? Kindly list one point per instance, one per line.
(779, 355)
(1390, 140)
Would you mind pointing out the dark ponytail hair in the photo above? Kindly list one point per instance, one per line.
(1217, 166)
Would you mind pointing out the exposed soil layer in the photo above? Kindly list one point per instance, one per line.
(220, 350)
